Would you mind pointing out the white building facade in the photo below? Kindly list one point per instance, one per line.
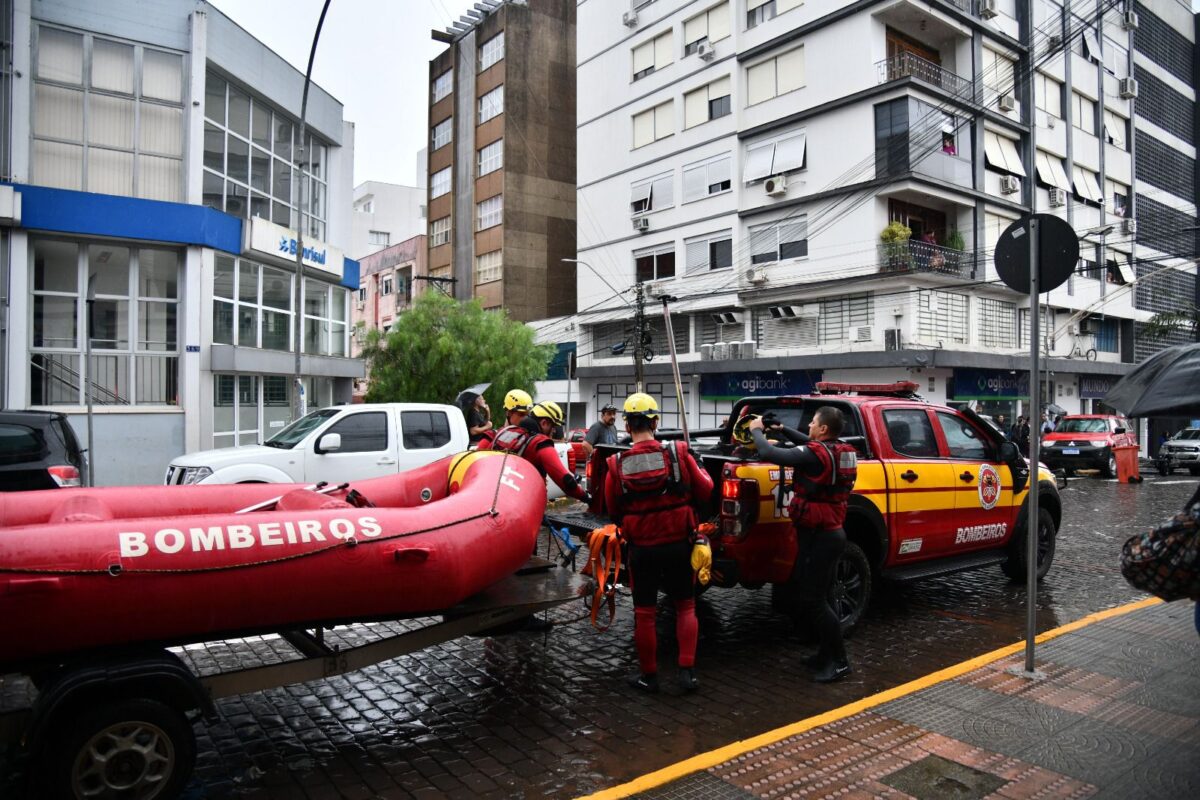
(385, 214)
(153, 154)
(747, 158)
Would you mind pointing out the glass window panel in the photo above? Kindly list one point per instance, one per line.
(223, 395)
(316, 199)
(58, 112)
(54, 321)
(239, 112)
(247, 404)
(214, 97)
(337, 339)
(160, 130)
(276, 289)
(162, 75)
(158, 273)
(214, 191)
(316, 158)
(312, 336)
(260, 170)
(238, 167)
(222, 322)
(338, 305)
(235, 199)
(60, 56)
(316, 299)
(158, 380)
(110, 324)
(157, 326)
(247, 326)
(261, 122)
(160, 178)
(283, 138)
(109, 379)
(110, 266)
(214, 148)
(223, 277)
(248, 282)
(110, 121)
(59, 165)
(260, 206)
(110, 171)
(55, 266)
(281, 186)
(112, 66)
(281, 215)
(276, 330)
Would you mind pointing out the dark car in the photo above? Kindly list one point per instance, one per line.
(1181, 450)
(38, 450)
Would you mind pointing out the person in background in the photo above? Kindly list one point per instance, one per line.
(604, 430)
(1021, 432)
(516, 407)
(651, 490)
(1047, 424)
(1002, 424)
(479, 419)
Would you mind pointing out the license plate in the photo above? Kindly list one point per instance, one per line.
(1070, 451)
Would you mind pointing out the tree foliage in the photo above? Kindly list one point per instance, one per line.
(1163, 324)
(441, 346)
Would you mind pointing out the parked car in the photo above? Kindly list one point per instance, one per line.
(1083, 441)
(39, 450)
(1181, 450)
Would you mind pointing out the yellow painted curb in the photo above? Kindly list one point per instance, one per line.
(730, 751)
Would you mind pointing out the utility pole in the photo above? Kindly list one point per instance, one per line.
(639, 333)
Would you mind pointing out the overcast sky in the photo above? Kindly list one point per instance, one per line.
(373, 56)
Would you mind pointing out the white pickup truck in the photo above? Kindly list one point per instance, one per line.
(338, 444)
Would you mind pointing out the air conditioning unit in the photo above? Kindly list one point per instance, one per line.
(1087, 327)
(749, 348)
(859, 333)
(776, 186)
(656, 288)
(706, 51)
(1010, 184)
(1054, 41)
(893, 339)
(1007, 102)
(1129, 21)
(987, 9)
(727, 318)
(1127, 88)
(1129, 227)
(641, 224)
(1057, 197)
(720, 351)
(756, 275)
(1073, 329)
(734, 349)
(706, 352)
(629, 19)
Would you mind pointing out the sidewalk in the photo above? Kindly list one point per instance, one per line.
(1117, 716)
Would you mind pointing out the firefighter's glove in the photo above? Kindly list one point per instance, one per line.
(702, 560)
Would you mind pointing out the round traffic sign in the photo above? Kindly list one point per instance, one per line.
(1058, 253)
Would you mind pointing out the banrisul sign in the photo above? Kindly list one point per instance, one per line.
(989, 384)
(269, 239)
(735, 385)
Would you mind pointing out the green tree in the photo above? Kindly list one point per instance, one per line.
(441, 346)
(1165, 323)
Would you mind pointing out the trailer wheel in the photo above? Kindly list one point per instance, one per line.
(124, 748)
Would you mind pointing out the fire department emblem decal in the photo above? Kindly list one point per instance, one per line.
(989, 487)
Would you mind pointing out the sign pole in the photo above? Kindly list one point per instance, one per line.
(675, 369)
(1035, 442)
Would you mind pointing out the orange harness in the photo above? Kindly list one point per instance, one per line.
(604, 565)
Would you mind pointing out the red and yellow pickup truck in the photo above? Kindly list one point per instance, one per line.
(939, 490)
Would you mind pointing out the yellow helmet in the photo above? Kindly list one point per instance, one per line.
(741, 430)
(640, 404)
(517, 400)
(549, 410)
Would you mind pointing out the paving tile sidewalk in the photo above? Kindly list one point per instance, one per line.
(1117, 716)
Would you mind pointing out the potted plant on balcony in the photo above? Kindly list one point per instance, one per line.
(895, 246)
(956, 245)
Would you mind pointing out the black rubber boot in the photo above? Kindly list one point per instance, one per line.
(643, 683)
(816, 661)
(833, 671)
(687, 679)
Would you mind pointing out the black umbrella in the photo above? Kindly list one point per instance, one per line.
(1166, 384)
(1055, 409)
(467, 396)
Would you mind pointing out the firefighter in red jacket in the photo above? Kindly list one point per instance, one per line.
(516, 405)
(537, 448)
(650, 490)
(823, 475)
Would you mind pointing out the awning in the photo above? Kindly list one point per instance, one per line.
(1050, 170)
(1002, 153)
(603, 315)
(1125, 268)
(1086, 185)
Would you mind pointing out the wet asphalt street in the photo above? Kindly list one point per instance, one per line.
(533, 715)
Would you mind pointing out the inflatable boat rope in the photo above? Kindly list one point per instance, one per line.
(116, 569)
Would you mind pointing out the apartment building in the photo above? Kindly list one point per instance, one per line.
(388, 281)
(821, 186)
(153, 186)
(386, 214)
(501, 205)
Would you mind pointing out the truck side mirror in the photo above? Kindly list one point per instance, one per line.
(1008, 452)
(329, 443)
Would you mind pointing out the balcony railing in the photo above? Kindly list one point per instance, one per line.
(910, 256)
(908, 65)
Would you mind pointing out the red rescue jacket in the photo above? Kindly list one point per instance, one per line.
(819, 501)
(650, 490)
(537, 449)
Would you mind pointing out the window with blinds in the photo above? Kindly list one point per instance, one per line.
(491, 104)
(1047, 328)
(997, 323)
(439, 232)
(709, 331)
(491, 157)
(652, 194)
(488, 267)
(442, 133)
(652, 55)
(779, 75)
(784, 334)
(711, 26)
(840, 314)
(129, 100)
(705, 253)
(785, 153)
(654, 124)
(442, 85)
(778, 241)
(654, 263)
(707, 103)
(491, 51)
(707, 178)
(943, 316)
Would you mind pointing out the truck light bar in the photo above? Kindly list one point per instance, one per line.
(897, 389)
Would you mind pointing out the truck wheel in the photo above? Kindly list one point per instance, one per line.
(851, 587)
(1194, 470)
(124, 748)
(1109, 469)
(1015, 566)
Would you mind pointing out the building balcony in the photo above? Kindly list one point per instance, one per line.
(924, 257)
(910, 65)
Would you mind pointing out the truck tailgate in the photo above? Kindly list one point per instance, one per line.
(580, 523)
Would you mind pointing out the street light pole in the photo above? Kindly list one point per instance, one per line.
(89, 381)
(299, 407)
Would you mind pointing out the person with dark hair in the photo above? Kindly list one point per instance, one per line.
(604, 430)
(479, 419)
(650, 490)
(823, 474)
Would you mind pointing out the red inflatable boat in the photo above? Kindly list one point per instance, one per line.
(88, 568)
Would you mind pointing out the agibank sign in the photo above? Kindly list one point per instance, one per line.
(269, 239)
(986, 384)
(736, 385)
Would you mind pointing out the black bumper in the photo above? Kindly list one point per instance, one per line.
(1087, 457)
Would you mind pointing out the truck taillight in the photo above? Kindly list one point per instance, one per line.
(739, 506)
(65, 475)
